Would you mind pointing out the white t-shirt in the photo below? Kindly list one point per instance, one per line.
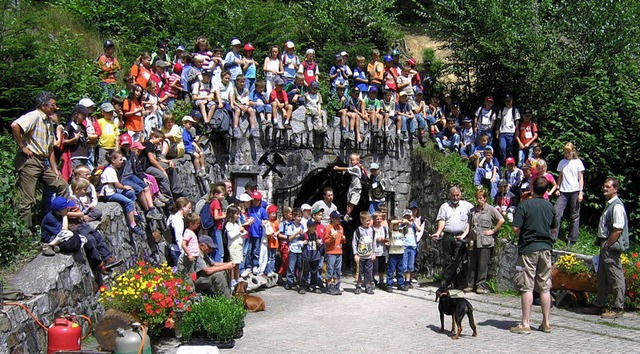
(570, 170)
(108, 177)
(508, 119)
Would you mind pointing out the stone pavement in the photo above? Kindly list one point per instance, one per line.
(409, 322)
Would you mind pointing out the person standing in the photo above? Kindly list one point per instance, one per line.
(34, 133)
(507, 120)
(613, 234)
(485, 223)
(326, 203)
(534, 223)
(453, 227)
(570, 185)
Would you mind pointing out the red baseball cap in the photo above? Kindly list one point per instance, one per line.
(511, 161)
(256, 195)
(125, 139)
(272, 209)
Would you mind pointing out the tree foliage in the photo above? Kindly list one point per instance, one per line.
(574, 63)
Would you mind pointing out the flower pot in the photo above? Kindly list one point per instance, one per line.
(213, 342)
(575, 282)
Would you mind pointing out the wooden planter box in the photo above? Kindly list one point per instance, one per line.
(563, 281)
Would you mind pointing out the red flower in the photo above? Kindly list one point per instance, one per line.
(632, 294)
(634, 255)
(141, 263)
(157, 297)
(179, 281)
(104, 288)
(634, 277)
(137, 276)
(638, 264)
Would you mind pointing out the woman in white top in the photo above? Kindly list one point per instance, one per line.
(272, 68)
(175, 223)
(570, 185)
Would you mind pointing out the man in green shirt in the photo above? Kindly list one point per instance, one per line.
(533, 223)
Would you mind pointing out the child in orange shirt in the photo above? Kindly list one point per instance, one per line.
(333, 240)
(272, 243)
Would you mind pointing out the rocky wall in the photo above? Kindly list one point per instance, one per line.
(64, 284)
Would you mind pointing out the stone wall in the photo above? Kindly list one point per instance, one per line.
(64, 284)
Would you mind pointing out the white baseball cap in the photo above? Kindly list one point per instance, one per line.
(235, 41)
(289, 44)
(305, 206)
(87, 102)
(374, 166)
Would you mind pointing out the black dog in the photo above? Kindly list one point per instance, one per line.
(456, 308)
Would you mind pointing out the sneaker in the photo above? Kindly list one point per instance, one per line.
(358, 291)
(468, 289)
(352, 135)
(302, 291)
(112, 263)
(155, 214)
(138, 219)
(158, 203)
(482, 291)
(48, 251)
(414, 280)
(245, 273)
(612, 314)
(545, 329)
(202, 173)
(389, 289)
(256, 270)
(405, 136)
(318, 290)
(519, 329)
(403, 288)
(288, 286)
(287, 125)
(137, 230)
(369, 291)
(408, 285)
(162, 198)
(236, 133)
(254, 133)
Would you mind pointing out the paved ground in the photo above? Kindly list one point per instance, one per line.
(408, 322)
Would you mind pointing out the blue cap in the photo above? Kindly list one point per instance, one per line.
(373, 89)
(180, 47)
(388, 58)
(413, 205)
(60, 203)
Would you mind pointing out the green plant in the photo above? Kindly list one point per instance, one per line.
(13, 232)
(217, 317)
(452, 167)
(631, 268)
(570, 264)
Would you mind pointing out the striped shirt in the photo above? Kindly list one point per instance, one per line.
(38, 133)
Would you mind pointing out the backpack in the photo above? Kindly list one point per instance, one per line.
(220, 120)
(365, 181)
(377, 192)
(95, 177)
(206, 219)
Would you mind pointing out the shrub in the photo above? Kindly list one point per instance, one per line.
(13, 237)
(218, 318)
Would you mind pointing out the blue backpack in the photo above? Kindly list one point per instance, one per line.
(206, 219)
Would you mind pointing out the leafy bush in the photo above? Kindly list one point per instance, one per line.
(574, 63)
(218, 318)
(13, 237)
(451, 167)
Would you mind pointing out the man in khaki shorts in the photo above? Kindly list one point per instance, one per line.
(533, 223)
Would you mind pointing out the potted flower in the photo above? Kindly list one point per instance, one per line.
(152, 294)
(215, 319)
(571, 273)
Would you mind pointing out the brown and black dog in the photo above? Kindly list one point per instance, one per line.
(251, 302)
(456, 308)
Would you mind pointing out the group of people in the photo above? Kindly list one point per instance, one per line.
(380, 95)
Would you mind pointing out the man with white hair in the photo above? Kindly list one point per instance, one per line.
(453, 227)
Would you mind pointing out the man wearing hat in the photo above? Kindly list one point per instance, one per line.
(485, 117)
(212, 278)
(467, 138)
(508, 118)
(110, 133)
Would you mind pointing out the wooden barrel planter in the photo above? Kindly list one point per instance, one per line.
(581, 282)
